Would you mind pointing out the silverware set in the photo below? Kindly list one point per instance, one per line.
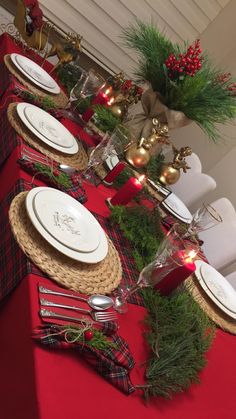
(98, 316)
(44, 160)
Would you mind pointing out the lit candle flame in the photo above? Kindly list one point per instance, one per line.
(111, 101)
(142, 178)
(190, 255)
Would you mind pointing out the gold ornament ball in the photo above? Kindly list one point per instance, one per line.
(117, 110)
(169, 175)
(137, 156)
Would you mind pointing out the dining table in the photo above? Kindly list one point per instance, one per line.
(39, 383)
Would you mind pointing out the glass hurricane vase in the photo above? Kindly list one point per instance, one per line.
(172, 253)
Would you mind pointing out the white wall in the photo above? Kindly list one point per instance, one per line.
(217, 160)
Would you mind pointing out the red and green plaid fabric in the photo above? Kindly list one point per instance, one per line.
(15, 265)
(130, 271)
(9, 138)
(76, 190)
(114, 363)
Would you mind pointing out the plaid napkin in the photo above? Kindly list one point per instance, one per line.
(52, 175)
(113, 364)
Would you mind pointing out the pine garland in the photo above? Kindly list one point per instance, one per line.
(104, 118)
(179, 335)
(142, 227)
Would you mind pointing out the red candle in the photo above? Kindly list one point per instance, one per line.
(174, 278)
(128, 191)
(100, 99)
(110, 177)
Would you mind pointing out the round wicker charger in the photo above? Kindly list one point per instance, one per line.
(215, 313)
(102, 277)
(60, 100)
(78, 161)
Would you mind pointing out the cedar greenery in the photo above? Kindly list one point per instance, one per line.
(104, 119)
(142, 227)
(179, 334)
(201, 98)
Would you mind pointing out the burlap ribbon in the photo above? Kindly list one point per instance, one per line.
(139, 120)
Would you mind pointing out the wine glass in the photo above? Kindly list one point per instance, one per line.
(204, 218)
(112, 145)
(173, 252)
(87, 86)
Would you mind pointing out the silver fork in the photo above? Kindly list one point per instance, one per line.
(50, 314)
(98, 316)
(33, 157)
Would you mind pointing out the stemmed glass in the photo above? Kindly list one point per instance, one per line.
(87, 86)
(112, 145)
(204, 218)
(173, 252)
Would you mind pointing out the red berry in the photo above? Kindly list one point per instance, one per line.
(88, 335)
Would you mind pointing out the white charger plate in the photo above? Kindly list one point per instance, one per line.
(216, 287)
(47, 128)
(177, 208)
(68, 221)
(93, 257)
(35, 73)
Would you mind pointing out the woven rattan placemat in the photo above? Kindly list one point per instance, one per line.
(215, 313)
(60, 100)
(102, 277)
(78, 161)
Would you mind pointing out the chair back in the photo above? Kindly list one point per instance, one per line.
(220, 241)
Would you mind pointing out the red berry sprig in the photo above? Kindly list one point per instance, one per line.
(185, 64)
(223, 79)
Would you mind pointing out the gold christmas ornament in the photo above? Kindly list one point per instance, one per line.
(139, 154)
(118, 110)
(170, 172)
(169, 175)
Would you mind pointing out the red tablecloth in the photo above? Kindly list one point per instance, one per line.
(39, 384)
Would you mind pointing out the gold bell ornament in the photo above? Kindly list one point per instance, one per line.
(170, 172)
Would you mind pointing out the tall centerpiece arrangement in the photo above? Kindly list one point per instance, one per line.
(184, 86)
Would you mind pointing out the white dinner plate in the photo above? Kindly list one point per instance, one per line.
(216, 287)
(47, 128)
(35, 73)
(88, 257)
(68, 221)
(177, 208)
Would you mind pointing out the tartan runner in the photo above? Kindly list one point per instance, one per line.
(113, 364)
(14, 264)
(9, 138)
(5, 79)
(76, 190)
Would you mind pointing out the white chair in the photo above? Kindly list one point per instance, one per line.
(220, 241)
(193, 186)
(231, 278)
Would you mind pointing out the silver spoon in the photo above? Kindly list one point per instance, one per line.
(67, 169)
(97, 302)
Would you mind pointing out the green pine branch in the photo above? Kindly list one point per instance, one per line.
(200, 98)
(179, 335)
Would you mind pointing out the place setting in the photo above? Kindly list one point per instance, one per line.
(47, 135)
(65, 241)
(35, 78)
